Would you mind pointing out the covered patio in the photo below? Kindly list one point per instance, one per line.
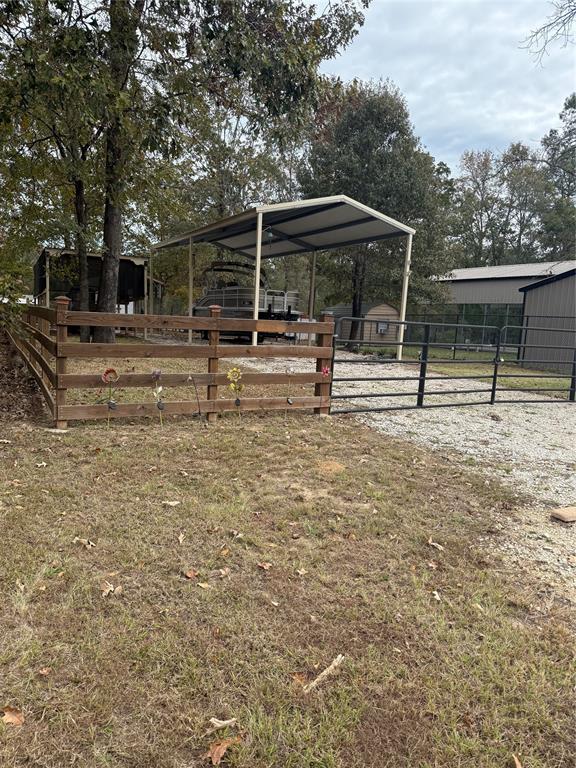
(295, 228)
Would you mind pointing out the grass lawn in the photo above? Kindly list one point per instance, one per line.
(302, 539)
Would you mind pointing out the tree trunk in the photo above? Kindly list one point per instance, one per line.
(81, 210)
(112, 233)
(358, 280)
(123, 38)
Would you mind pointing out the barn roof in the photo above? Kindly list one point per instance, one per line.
(552, 279)
(539, 269)
(296, 227)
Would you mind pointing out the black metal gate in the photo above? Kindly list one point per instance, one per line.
(385, 365)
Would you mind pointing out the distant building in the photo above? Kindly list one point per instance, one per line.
(56, 274)
(379, 325)
(549, 319)
(491, 295)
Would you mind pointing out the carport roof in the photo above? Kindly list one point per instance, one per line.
(296, 227)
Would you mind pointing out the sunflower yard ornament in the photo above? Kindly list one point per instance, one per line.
(235, 385)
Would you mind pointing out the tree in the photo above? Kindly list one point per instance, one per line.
(229, 166)
(558, 27)
(519, 206)
(154, 66)
(558, 218)
(366, 148)
(497, 207)
(51, 108)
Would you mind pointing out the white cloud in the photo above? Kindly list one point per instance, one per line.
(461, 66)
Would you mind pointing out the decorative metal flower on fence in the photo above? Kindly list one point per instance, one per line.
(157, 392)
(234, 376)
(325, 371)
(110, 377)
(289, 372)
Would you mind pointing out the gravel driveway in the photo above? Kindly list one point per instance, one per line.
(531, 447)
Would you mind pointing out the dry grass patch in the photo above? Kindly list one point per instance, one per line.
(343, 517)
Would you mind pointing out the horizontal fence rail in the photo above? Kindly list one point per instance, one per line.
(403, 365)
(44, 344)
(503, 358)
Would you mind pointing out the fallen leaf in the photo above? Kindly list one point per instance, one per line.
(42, 464)
(203, 585)
(217, 750)
(181, 537)
(171, 503)
(109, 589)
(436, 595)
(435, 545)
(432, 564)
(12, 716)
(275, 603)
(302, 572)
(217, 725)
(223, 572)
(265, 566)
(191, 574)
(85, 542)
(224, 552)
(44, 671)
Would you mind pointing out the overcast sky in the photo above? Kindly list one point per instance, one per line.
(460, 65)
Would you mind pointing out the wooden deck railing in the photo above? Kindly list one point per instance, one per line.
(45, 347)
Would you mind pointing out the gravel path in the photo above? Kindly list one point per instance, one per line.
(531, 447)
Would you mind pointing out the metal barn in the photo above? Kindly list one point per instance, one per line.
(491, 295)
(549, 320)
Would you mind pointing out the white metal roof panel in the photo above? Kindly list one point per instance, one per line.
(540, 269)
(297, 227)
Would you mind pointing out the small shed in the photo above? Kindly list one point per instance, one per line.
(549, 322)
(381, 322)
(56, 272)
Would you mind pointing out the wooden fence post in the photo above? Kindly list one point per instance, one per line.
(213, 341)
(324, 341)
(62, 303)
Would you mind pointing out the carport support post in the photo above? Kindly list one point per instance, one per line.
(213, 341)
(47, 275)
(145, 297)
(190, 286)
(151, 291)
(404, 299)
(312, 292)
(257, 274)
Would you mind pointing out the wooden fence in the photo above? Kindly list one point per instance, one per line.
(46, 349)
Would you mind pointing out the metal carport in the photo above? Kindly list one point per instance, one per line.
(298, 227)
